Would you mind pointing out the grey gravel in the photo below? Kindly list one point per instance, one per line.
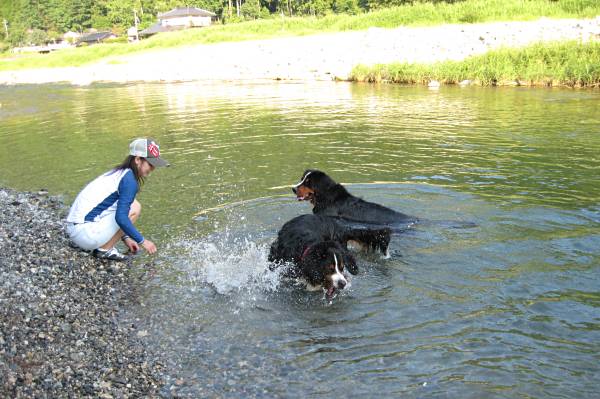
(60, 334)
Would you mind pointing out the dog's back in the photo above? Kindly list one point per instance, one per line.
(358, 210)
(299, 233)
(332, 199)
(304, 231)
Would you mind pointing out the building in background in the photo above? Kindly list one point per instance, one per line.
(180, 18)
(96, 37)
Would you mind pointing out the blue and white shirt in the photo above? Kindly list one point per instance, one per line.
(109, 195)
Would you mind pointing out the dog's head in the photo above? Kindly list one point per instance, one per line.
(324, 264)
(311, 184)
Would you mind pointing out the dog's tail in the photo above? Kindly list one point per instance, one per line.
(370, 239)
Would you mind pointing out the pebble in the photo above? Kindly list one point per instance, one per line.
(59, 332)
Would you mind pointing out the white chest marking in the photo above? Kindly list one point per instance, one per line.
(338, 276)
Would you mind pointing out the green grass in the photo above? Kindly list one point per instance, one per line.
(570, 63)
(416, 14)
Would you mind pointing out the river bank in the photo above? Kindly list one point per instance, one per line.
(59, 329)
(317, 57)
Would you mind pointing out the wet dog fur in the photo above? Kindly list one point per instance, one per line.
(332, 199)
(317, 248)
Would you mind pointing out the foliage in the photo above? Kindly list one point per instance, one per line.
(37, 37)
(118, 39)
(253, 10)
(118, 15)
(549, 64)
(351, 7)
(258, 19)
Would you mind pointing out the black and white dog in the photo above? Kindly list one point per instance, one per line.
(332, 199)
(317, 248)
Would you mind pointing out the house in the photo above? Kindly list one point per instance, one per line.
(97, 37)
(48, 46)
(180, 18)
(71, 37)
(132, 34)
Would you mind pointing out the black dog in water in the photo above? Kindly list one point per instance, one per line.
(332, 199)
(317, 247)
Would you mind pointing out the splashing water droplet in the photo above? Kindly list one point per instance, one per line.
(229, 264)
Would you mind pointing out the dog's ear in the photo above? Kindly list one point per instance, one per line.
(326, 190)
(321, 181)
(350, 262)
(312, 263)
(312, 268)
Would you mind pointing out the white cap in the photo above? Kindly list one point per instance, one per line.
(148, 149)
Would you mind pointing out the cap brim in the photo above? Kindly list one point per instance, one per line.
(157, 162)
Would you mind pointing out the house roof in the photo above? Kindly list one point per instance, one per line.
(157, 28)
(186, 12)
(95, 37)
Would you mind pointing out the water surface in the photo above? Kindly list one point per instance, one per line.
(495, 294)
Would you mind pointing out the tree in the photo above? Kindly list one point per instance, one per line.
(37, 37)
(80, 14)
(7, 13)
(120, 12)
(315, 7)
(378, 4)
(253, 9)
(346, 6)
(31, 14)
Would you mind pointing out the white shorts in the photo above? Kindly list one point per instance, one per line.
(92, 235)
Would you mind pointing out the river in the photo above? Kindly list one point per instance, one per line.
(495, 294)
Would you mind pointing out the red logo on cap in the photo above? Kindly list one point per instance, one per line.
(153, 149)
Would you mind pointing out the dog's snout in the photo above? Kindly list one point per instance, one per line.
(294, 189)
(341, 284)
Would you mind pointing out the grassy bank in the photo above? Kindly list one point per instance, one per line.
(546, 64)
(416, 14)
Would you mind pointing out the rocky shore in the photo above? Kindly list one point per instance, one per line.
(316, 57)
(60, 334)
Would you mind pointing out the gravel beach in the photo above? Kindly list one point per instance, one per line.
(59, 311)
(316, 57)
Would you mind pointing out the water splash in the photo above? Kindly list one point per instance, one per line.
(228, 263)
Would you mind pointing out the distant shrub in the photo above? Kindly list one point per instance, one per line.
(568, 63)
(350, 7)
(37, 37)
(468, 18)
(118, 39)
(251, 10)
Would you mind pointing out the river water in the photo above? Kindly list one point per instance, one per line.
(495, 294)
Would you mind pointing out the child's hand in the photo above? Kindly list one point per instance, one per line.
(132, 245)
(149, 246)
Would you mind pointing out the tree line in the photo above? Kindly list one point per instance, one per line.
(34, 21)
